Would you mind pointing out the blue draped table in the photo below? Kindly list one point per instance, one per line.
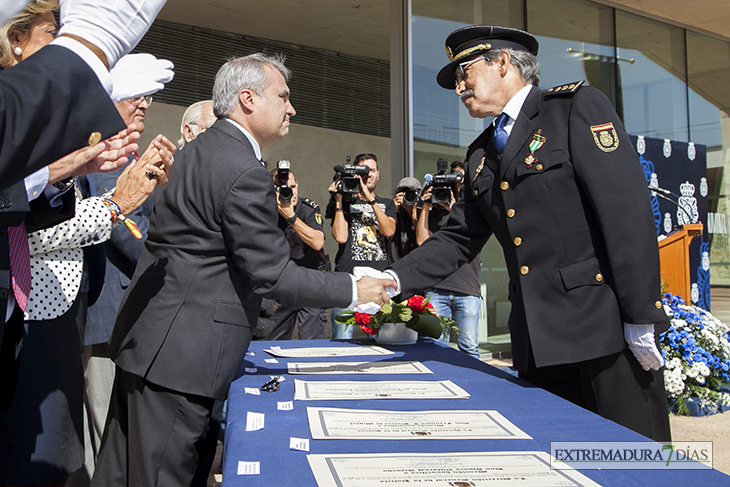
(540, 414)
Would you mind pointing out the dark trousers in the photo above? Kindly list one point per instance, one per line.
(153, 435)
(312, 323)
(614, 387)
(10, 348)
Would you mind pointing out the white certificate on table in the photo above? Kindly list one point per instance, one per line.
(466, 469)
(402, 389)
(384, 367)
(371, 424)
(328, 351)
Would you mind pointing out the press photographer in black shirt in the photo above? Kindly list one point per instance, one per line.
(301, 220)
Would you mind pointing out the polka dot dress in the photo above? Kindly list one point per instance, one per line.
(57, 261)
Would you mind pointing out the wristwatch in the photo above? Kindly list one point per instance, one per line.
(372, 201)
(64, 184)
(291, 219)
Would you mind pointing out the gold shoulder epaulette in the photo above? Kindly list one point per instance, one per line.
(567, 88)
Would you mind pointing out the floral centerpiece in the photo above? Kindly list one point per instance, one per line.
(696, 351)
(416, 313)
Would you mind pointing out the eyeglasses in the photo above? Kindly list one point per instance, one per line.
(138, 101)
(461, 68)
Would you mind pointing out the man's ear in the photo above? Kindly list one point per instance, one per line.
(247, 99)
(188, 133)
(503, 62)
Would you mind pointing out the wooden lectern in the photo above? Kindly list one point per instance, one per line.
(674, 259)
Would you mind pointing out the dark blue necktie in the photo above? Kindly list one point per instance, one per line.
(500, 135)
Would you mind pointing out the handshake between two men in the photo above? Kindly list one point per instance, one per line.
(374, 288)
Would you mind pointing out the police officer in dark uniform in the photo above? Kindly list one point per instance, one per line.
(556, 179)
(301, 220)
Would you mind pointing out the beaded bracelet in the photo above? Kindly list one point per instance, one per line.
(116, 214)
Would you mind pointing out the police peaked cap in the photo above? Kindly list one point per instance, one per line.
(475, 39)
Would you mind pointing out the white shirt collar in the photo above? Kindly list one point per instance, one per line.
(514, 106)
(256, 147)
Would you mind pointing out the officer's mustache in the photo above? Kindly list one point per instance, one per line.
(466, 94)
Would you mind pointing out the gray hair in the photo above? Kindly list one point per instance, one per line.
(192, 117)
(525, 62)
(241, 73)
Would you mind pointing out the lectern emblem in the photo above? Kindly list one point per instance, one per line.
(687, 211)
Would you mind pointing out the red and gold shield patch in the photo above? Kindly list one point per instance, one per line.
(605, 137)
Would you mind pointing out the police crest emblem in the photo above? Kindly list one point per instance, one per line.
(605, 137)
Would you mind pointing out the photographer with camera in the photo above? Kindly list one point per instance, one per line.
(362, 222)
(407, 194)
(459, 295)
(301, 221)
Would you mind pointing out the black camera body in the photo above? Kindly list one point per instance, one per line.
(282, 175)
(443, 182)
(348, 177)
(350, 182)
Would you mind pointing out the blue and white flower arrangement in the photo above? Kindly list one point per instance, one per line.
(696, 350)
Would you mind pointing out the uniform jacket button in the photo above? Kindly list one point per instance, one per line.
(510, 213)
(504, 185)
(538, 167)
(524, 270)
(3, 294)
(517, 241)
(658, 304)
(599, 277)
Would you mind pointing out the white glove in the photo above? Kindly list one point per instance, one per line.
(114, 26)
(8, 8)
(360, 272)
(139, 75)
(641, 343)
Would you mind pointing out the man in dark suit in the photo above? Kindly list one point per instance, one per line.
(213, 250)
(557, 181)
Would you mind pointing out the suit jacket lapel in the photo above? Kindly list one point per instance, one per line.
(522, 131)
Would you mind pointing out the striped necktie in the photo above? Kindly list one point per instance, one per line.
(19, 264)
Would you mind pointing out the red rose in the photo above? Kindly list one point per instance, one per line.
(362, 318)
(416, 304)
(367, 330)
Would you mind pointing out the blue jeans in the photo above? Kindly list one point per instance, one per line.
(464, 310)
(340, 331)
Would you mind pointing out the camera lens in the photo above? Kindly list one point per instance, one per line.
(285, 193)
(350, 184)
(441, 195)
(410, 198)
